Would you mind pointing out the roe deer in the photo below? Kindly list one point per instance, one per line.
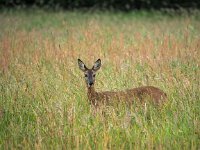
(154, 94)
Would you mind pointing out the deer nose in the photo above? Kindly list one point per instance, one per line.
(90, 83)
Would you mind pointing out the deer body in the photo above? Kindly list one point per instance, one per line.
(141, 94)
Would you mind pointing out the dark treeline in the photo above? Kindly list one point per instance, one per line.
(104, 4)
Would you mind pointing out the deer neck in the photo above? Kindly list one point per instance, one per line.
(92, 95)
(91, 91)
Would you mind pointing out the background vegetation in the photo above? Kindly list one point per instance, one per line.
(105, 4)
(43, 98)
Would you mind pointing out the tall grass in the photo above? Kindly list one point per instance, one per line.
(43, 98)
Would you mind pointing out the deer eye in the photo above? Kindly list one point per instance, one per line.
(86, 75)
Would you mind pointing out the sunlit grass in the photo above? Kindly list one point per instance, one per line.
(43, 96)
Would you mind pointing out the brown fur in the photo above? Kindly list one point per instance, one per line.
(141, 94)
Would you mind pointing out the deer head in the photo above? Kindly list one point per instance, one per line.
(89, 73)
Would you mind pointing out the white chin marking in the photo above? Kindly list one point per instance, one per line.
(90, 85)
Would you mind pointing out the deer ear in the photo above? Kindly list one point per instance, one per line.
(81, 65)
(97, 65)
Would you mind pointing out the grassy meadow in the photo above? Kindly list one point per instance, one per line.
(43, 96)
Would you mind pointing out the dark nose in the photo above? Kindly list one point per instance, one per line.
(90, 83)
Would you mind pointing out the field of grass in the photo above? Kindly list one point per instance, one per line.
(43, 96)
